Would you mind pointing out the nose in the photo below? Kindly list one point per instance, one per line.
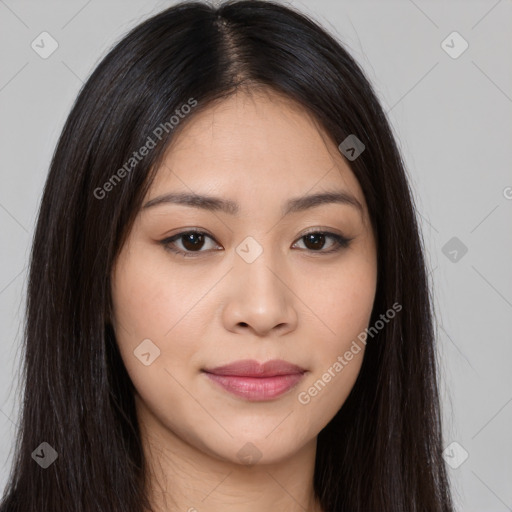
(259, 299)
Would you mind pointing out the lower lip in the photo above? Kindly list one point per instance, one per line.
(257, 388)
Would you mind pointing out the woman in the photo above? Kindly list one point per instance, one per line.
(228, 307)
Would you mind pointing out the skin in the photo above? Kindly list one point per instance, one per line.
(293, 302)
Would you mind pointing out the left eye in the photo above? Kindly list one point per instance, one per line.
(317, 238)
(193, 241)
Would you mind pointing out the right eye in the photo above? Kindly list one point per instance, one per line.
(192, 241)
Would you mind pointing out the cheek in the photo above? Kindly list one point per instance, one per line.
(150, 297)
(337, 356)
(341, 298)
(343, 309)
(151, 304)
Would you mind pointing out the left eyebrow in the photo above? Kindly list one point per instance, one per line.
(306, 202)
(230, 207)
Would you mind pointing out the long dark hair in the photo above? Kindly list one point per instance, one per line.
(382, 450)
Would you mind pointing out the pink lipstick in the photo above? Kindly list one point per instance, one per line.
(254, 381)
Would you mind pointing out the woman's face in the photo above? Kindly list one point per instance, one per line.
(250, 286)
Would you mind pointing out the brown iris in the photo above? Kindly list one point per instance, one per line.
(192, 241)
(317, 240)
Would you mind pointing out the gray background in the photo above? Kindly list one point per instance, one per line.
(453, 120)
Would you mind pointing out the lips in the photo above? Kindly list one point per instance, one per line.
(254, 381)
(251, 368)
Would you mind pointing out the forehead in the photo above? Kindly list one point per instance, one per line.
(256, 146)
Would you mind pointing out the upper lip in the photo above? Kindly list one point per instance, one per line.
(251, 368)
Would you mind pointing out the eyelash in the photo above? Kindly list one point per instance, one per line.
(341, 242)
